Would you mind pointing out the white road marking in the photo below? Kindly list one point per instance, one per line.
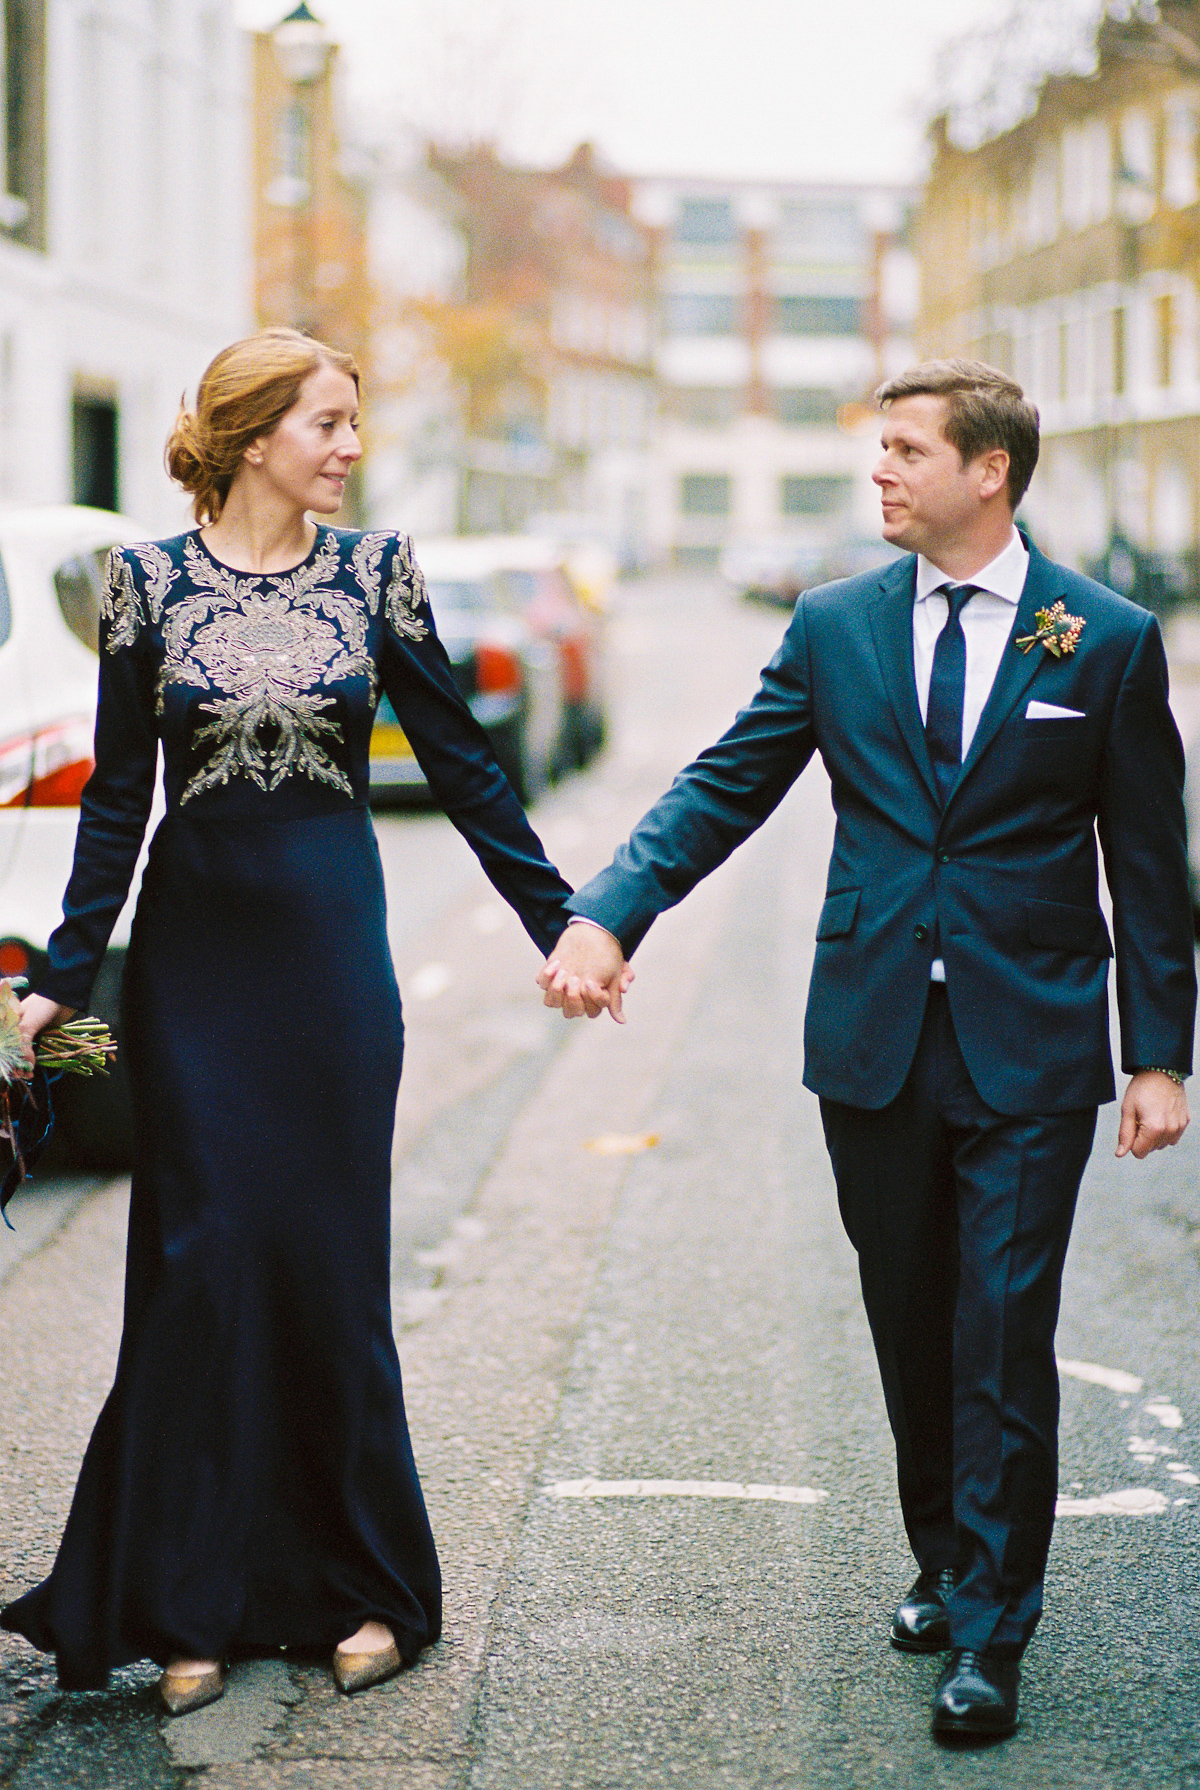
(1137, 1501)
(429, 981)
(1170, 1416)
(1115, 1378)
(684, 1488)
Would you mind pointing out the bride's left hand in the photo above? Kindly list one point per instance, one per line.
(36, 1014)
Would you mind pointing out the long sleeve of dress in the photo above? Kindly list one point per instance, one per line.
(456, 758)
(115, 804)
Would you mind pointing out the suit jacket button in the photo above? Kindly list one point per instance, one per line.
(920, 933)
(943, 857)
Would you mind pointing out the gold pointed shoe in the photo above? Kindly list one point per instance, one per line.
(181, 1692)
(359, 1671)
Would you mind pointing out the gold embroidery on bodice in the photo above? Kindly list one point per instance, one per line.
(266, 648)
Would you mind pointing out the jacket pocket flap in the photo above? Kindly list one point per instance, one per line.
(837, 915)
(1059, 926)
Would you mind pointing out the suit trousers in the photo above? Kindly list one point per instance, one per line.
(961, 1216)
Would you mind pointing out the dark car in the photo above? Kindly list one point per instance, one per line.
(508, 674)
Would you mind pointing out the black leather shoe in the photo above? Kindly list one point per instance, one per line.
(921, 1624)
(976, 1696)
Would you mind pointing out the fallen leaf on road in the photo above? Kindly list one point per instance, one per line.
(613, 1143)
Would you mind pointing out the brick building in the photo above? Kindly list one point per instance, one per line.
(780, 306)
(548, 342)
(1067, 250)
(310, 208)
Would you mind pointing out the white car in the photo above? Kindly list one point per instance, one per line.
(51, 577)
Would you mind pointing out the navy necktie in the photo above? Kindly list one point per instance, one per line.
(947, 685)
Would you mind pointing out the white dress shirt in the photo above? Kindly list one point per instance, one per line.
(987, 621)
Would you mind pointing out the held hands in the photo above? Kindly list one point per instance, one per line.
(1154, 1114)
(36, 1014)
(585, 973)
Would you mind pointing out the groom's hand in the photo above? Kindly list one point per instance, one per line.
(1154, 1114)
(585, 973)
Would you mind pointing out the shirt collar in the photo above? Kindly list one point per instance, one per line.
(1003, 577)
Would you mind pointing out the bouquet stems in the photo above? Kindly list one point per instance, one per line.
(78, 1047)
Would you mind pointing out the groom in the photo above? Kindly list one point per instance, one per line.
(983, 713)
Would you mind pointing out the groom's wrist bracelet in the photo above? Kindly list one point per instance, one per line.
(1153, 1069)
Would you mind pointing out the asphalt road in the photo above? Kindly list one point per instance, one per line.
(606, 1349)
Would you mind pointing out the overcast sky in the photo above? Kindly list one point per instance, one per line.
(808, 89)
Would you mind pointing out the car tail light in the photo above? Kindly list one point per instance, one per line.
(62, 763)
(16, 771)
(574, 669)
(14, 958)
(47, 769)
(497, 670)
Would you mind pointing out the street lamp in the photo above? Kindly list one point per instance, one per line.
(303, 46)
(303, 49)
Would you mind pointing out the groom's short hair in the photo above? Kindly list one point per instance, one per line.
(985, 409)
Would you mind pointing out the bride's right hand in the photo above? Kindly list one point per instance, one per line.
(36, 1014)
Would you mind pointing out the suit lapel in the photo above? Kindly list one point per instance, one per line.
(1017, 669)
(891, 613)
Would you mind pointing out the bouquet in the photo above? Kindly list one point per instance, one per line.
(78, 1047)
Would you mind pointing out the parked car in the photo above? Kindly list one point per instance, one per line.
(776, 571)
(510, 676)
(51, 577)
(770, 571)
(561, 597)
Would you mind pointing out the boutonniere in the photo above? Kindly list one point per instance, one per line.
(1057, 631)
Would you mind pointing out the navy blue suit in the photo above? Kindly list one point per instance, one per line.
(959, 1124)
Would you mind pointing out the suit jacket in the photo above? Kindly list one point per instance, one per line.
(1003, 880)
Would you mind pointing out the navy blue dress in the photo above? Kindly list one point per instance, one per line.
(250, 1481)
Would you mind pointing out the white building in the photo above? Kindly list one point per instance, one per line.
(124, 239)
(413, 469)
(781, 307)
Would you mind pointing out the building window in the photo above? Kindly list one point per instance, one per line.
(820, 231)
(1136, 183)
(818, 315)
(705, 221)
(705, 494)
(1064, 361)
(1164, 327)
(804, 495)
(1180, 185)
(94, 452)
(1118, 350)
(799, 407)
(292, 184)
(22, 201)
(706, 406)
(702, 314)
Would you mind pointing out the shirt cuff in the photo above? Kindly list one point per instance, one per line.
(582, 920)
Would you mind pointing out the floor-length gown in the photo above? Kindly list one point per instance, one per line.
(250, 1481)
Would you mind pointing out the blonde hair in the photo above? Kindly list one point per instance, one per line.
(244, 393)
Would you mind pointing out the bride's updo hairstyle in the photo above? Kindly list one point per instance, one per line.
(244, 393)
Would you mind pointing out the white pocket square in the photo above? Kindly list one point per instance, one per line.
(1050, 711)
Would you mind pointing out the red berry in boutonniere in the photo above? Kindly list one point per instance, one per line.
(1057, 631)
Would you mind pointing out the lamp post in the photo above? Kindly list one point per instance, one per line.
(303, 48)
